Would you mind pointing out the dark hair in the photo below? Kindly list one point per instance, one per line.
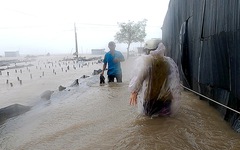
(111, 43)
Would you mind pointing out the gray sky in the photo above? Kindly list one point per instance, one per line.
(42, 26)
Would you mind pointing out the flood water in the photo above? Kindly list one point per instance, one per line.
(90, 116)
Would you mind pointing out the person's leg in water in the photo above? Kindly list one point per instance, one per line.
(119, 78)
(111, 78)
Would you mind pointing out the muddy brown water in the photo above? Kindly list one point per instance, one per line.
(99, 117)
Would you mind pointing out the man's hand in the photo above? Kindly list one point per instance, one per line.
(133, 98)
(116, 60)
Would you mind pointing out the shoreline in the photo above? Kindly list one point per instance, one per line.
(26, 81)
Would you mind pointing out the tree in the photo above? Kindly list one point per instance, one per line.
(131, 32)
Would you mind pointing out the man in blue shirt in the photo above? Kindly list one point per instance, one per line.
(113, 59)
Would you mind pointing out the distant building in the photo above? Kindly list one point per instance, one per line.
(98, 51)
(12, 54)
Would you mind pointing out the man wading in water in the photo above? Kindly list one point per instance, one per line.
(113, 59)
(156, 81)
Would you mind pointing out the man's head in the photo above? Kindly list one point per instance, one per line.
(151, 45)
(160, 51)
(111, 45)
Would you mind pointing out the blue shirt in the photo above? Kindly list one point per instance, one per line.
(114, 68)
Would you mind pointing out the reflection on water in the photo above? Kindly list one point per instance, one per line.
(91, 116)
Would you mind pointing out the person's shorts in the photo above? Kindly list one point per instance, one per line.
(157, 107)
(118, 77)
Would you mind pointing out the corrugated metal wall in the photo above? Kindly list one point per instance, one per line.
(203, 37)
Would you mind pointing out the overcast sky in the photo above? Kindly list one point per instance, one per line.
(42, 26)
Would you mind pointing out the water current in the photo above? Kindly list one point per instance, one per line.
(90, 116)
